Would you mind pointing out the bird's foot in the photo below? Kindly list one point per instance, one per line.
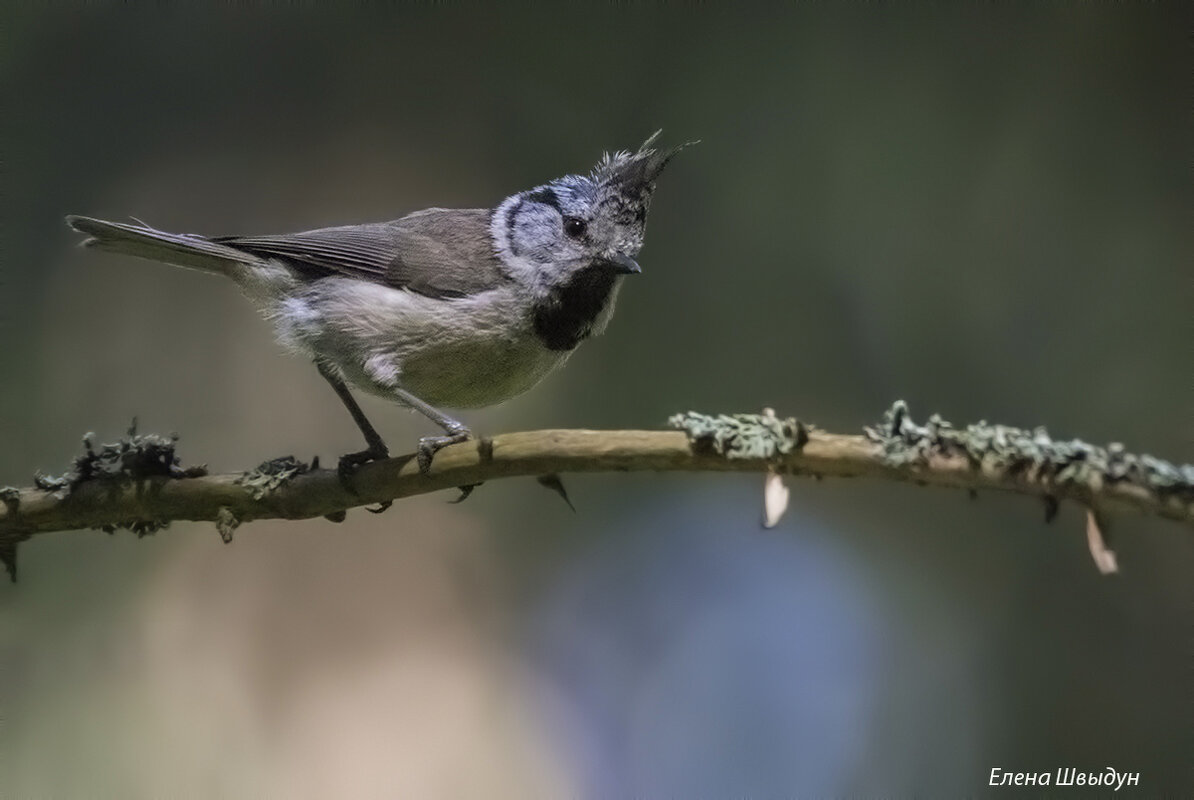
(350, 463)
(430, 445)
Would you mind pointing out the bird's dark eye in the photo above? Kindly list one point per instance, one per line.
(575, 227)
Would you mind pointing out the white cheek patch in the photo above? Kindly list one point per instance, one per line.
(537, 234)
(521, 268)
(499, 227)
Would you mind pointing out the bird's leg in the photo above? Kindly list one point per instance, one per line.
(377, 448)
(429, 445)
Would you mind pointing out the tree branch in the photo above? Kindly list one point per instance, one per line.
(136, 484)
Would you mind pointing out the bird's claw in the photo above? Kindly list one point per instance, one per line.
(350, 463)
(430, 445)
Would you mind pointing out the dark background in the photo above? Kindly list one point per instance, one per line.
(983, 211)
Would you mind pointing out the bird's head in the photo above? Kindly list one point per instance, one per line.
(591, 223)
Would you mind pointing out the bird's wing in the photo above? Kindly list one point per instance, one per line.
(442, 253)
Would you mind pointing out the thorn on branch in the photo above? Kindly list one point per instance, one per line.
(556, 484)
(11, 497)
(1051, 508)
(8, 557)
(465, 491)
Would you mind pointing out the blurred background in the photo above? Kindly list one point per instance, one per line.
(983, 211)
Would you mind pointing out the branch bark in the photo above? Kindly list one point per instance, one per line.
(230, 500)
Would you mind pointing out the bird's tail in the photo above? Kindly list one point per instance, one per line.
(180, 249)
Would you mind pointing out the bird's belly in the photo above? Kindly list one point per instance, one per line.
(465, 353)
(475, 374)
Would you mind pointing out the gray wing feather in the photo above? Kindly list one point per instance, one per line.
(439, 252)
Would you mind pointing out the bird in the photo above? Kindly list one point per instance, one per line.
(459, 308)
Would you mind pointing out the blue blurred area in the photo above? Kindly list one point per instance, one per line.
(711, 658)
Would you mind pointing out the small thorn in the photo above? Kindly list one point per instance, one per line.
(1051, 507)
(554, 482)
(8, 557)
(381, 507)
(11, 497)
(314, 463)
(465, 491)
(336, 516)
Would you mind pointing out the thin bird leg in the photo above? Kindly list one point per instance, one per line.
(429, 445)
(377, 448)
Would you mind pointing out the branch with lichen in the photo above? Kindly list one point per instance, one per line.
(139, 485)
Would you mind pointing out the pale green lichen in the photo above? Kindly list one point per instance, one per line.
(134, 457)
(1014, 451)
(738, 436)
(226, 523)
(60, 485)
(271, 474)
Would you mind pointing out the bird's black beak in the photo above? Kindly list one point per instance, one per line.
(621, 264)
